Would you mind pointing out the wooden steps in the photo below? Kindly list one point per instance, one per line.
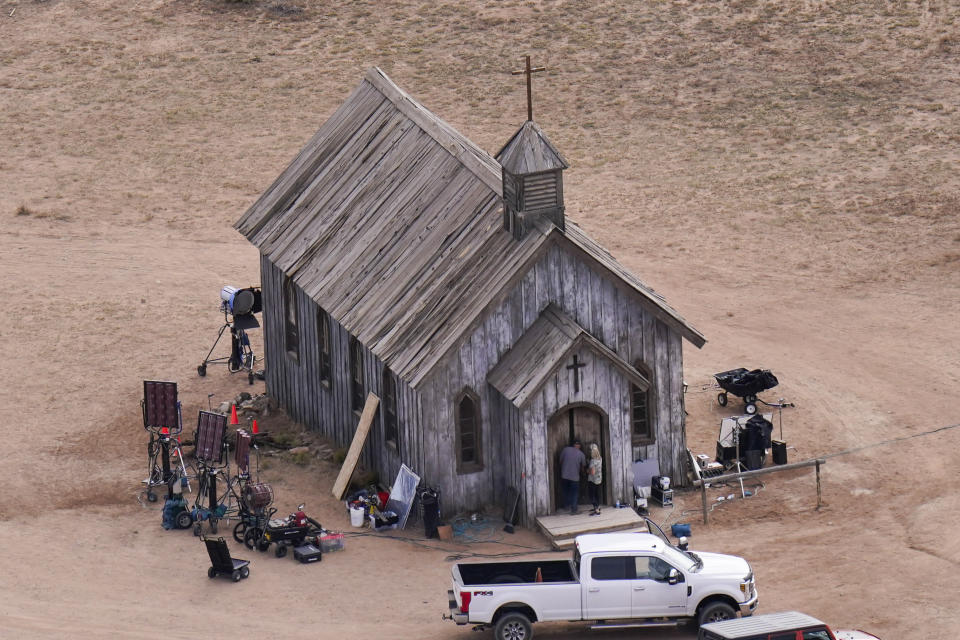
(561, 529)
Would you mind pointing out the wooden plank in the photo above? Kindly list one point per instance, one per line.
(356, 447)
(597, 290)
(665, 441)
(535, 422)
(678, 417)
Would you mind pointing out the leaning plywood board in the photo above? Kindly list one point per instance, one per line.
(350, 462)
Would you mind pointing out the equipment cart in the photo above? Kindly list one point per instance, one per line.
(221, 563)
(744, 384)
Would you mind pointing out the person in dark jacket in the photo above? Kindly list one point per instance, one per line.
(572, 463)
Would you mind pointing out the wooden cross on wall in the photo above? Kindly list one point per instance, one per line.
(576, 366)
(529, 72)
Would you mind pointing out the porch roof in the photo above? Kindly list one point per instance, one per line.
(542, 350)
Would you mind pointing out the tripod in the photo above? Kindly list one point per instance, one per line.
(160, 449)
(241, 354)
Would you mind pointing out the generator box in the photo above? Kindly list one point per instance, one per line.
(663, 496)
(307, 553)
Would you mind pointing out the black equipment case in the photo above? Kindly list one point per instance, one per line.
(307, 553)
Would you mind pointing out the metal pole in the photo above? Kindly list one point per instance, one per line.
(737, 431)
(703, 495)
(819, 494)
(729, 477)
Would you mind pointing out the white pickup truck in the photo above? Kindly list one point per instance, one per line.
(613, 580)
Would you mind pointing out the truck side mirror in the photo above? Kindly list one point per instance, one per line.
(673, 577)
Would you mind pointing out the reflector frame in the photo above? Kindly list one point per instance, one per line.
(160, 406)
(211, 427)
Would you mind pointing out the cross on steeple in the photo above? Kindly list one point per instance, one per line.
(576, 366)
(529, 72)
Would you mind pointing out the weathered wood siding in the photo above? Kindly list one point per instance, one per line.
(513, 442)
(326, 409)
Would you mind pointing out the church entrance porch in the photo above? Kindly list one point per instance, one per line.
(589, 425)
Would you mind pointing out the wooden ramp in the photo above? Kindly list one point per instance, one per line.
(562, 528)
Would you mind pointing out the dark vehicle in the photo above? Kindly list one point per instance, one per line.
(744, 384)
(788, 625)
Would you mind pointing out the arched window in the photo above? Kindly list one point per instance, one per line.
(469, 458)
(391, 434)
(291, 333)
(356, 375)
(323, 344)
(641, 410)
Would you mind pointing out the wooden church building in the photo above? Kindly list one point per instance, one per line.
(399, 258)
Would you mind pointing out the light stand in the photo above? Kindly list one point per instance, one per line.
(736, 440)
(238, 307)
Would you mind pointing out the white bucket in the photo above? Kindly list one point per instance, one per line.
(356, 516)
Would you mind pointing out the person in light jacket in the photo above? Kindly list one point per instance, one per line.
(595, 478)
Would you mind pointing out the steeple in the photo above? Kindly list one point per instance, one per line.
(532, 172)
(532, 180)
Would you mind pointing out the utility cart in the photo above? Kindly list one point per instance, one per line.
(291, 531)
(745, 384)
(222, 563)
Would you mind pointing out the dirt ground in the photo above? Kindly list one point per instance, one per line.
(784, 172)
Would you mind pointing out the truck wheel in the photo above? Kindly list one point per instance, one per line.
(716, 612)
(513, 626)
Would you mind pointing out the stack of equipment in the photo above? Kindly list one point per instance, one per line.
(660, 490)
(254, 513)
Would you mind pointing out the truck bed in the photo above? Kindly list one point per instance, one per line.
(516, 572)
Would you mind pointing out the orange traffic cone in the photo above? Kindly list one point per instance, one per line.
(256, 429)
(233, 414)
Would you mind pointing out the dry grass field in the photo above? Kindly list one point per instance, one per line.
(784, 172)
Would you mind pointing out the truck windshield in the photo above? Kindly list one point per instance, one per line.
(690, 560)
(682, 559)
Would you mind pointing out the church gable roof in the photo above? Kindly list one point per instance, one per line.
(391, 221)
(542, 350)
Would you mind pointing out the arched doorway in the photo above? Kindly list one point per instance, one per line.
(586, 423)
